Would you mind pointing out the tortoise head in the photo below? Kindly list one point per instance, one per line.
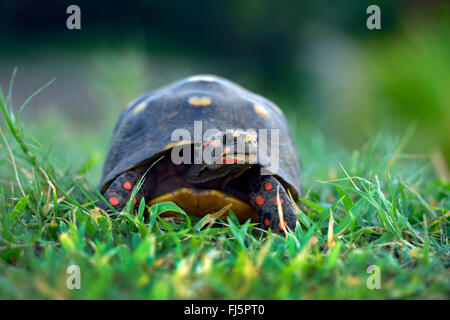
(226, 154)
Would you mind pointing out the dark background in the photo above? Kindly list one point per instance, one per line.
(315, 59)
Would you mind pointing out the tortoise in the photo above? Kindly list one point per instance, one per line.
(198, 114)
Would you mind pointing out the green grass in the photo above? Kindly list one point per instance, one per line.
(389, 209)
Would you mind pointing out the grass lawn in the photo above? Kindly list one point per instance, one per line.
(368, 212)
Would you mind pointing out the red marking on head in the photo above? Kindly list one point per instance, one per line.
(259, 200)
(227, 161)
(281, 201)
(134, 201)
(267, 222)
(285, 225)
(268, 186)
(127, 185)
(207, 143)
(114, 201)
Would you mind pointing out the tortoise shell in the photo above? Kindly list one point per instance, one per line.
(145, 127)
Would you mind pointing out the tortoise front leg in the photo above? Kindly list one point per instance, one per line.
(263, 199)
(120, 190)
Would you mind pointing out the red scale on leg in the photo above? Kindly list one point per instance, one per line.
(267, 222)
(127, 185)
(114, 201)
(259, 200)
(285, 225)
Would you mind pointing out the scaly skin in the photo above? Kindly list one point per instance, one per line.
(120, 190)
(262, 197)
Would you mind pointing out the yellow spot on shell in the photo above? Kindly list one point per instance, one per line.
(250, 138)
(261, 111)
(199, 101)
(140, 107)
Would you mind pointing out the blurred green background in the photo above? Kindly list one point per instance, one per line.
(315, 59)
(372, 104)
